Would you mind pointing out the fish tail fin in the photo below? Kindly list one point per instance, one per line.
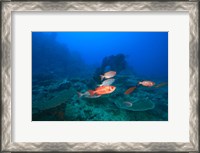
(92, 92)
(139, 83)
(102, 76)
(79, 94)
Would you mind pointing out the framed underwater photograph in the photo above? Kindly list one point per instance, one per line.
(98, 76)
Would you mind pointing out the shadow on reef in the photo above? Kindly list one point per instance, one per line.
(53, 114)
(115, 63)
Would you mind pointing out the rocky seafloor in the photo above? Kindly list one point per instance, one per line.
(57, 100)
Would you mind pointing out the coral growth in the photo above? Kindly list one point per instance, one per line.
(146, 103)
(140, 105)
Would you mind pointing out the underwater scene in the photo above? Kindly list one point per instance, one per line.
(99, 76)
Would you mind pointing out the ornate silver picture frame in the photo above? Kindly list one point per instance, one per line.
(7, 119)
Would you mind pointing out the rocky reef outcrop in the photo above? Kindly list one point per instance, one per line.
(52, 59)
(113, 62)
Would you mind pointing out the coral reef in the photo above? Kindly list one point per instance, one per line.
(148, 104)
(58, 98)
(53, 95)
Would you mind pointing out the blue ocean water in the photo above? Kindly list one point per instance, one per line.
(67, 63)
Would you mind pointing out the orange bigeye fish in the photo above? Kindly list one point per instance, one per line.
(147, 83)
(128, 91)
(102, 90)
(108, 75)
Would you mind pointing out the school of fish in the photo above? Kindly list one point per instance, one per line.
(106, 87)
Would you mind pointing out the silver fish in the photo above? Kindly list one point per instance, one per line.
(107, 82)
